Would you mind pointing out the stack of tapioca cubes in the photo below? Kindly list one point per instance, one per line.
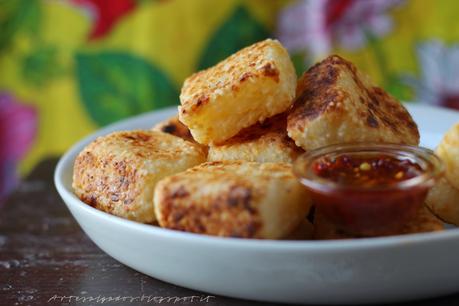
(223, 165)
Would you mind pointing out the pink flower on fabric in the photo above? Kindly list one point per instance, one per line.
(17, 131)
(438, 82)
(317, 26)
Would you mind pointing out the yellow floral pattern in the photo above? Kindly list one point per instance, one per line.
(168, 37)
(81, 64)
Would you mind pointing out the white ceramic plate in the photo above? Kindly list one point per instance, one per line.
(372, 270)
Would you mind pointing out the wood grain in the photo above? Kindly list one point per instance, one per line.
(44, 253)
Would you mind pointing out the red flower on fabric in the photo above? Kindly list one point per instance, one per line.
(334, 11)
(17, 131)
(106, 14)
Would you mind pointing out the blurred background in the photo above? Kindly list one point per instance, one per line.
(69, 67)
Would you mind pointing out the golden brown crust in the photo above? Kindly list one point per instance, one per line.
(276, 124)
(174, 127)
(241, 218)
(117, 173)
(251, 85)
(334, 99)
(263, 142)
(448, 150)
(240, 67)
(232, 199)
(443, 201)
(424, 221)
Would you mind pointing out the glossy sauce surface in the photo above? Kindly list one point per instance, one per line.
(368, 201)
(366, 171)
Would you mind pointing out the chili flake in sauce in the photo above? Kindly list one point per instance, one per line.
(366, 170)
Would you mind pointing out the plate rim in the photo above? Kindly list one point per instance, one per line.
(279, 245)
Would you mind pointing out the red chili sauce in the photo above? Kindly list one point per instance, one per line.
(368, 199)
(366, 171)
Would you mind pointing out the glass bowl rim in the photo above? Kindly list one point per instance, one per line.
(428, 176)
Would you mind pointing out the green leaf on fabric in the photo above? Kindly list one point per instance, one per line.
(238, 31)
(41, 66)
(299, 62)
(398, 89)
(17, 16)
(114, 85)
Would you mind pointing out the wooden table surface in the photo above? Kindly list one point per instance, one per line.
(46, 259)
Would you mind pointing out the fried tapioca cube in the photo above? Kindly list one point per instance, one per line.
(251, 85)
(233, 199)
(335, 103)
(448, 150)
(261, 142)
(174, 127)
(117, 173)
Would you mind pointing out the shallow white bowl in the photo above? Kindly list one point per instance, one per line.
(373, 270)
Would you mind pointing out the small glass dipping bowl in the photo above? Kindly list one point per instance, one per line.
(372, 209)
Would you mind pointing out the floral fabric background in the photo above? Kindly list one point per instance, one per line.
(68, 67)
